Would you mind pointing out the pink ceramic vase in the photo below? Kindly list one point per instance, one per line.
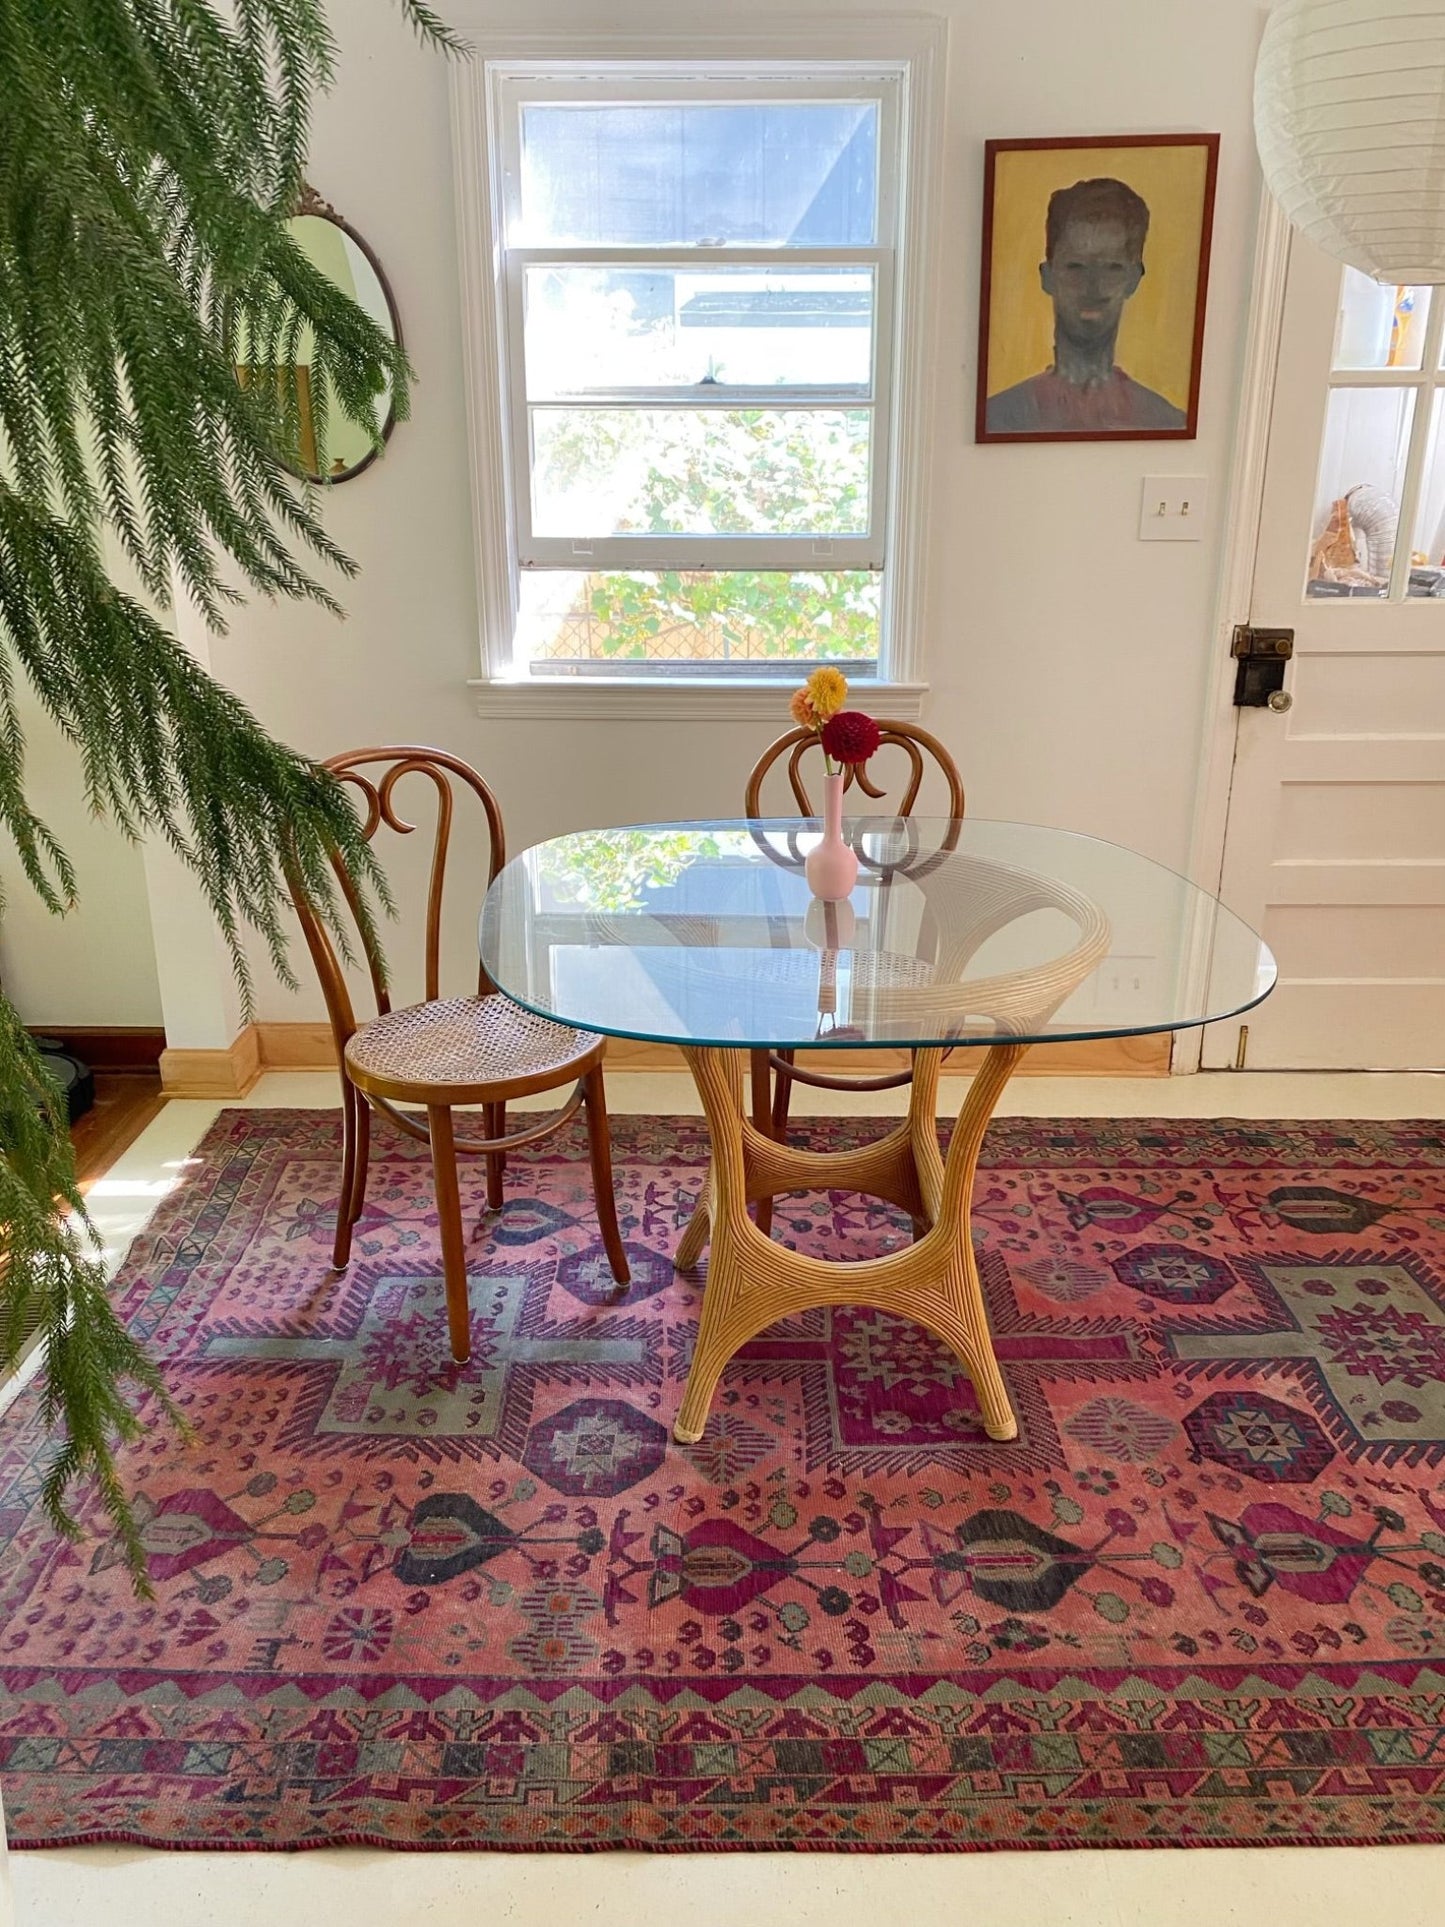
(832, 868)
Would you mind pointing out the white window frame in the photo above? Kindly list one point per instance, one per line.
(513, 88)
(909, 54)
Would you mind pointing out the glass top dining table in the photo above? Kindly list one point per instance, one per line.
(977, 937)
(957, 933)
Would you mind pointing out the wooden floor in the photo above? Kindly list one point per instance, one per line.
(124, 1104)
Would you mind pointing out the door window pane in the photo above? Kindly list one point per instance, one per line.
(1357, 497)
(698, 619)
(754, 174)
(1379, 327)
(591, 329)
(758, 471)
(1427, 557)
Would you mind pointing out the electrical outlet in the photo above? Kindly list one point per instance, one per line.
(1125, 982)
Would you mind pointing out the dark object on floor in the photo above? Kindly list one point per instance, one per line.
(76, 1080)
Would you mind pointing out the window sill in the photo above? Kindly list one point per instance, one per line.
(575, 699)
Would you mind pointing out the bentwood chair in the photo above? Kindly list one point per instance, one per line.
(774, 1073)
(448, 1051)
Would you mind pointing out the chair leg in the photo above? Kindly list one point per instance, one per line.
(762, 1099)
(782, 1098)
(449, 1210)
(495, 1125)
(599, 1146)
(363, 1162)
(355, 1143)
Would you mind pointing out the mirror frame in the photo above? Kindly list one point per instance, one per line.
(310, 202)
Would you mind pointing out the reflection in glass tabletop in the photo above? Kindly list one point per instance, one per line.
(958, 932)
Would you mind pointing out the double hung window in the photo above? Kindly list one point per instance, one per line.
(697, 283)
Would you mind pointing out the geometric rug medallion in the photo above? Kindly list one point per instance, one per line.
(1199, 1600)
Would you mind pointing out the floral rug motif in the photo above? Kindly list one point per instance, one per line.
(1200, 1600)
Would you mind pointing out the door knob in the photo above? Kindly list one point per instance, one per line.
(1279, 700)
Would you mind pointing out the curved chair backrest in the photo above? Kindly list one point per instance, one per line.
(374, 774)
(915, 743)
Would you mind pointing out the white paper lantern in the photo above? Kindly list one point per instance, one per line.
(1349, 114)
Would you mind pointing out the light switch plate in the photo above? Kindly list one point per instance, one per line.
(1173, 507)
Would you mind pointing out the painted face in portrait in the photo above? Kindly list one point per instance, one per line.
(1093, 263)
(1095, 267)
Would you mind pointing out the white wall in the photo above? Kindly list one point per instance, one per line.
(1068, 660)
(97, 965)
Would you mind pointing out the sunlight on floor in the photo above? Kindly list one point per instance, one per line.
(102, 1188)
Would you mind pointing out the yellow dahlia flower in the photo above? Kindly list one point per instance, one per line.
(827, 691)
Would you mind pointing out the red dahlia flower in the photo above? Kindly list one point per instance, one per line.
(850, 736)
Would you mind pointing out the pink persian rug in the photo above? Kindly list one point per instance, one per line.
(1201, 1599)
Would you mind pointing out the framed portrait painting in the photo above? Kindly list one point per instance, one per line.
(1095, 266)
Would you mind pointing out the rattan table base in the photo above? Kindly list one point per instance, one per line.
(753, 1282)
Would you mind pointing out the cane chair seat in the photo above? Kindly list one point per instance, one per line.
(460, 1043)
(890, 970)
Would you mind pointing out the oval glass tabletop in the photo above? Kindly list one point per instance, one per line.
(957, 932)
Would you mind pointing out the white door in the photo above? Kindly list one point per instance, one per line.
(1335, 847)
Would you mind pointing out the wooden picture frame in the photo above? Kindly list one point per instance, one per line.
(1073, 228)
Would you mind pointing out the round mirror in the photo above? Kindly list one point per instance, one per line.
(345, 259)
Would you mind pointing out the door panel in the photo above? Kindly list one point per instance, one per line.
(1310, 1028)
(1384, 941)
(1360, 822)
(1335, 847)
(1371, 692)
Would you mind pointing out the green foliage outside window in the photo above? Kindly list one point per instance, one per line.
(610, 871)
(722, 472)
(738, 615)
